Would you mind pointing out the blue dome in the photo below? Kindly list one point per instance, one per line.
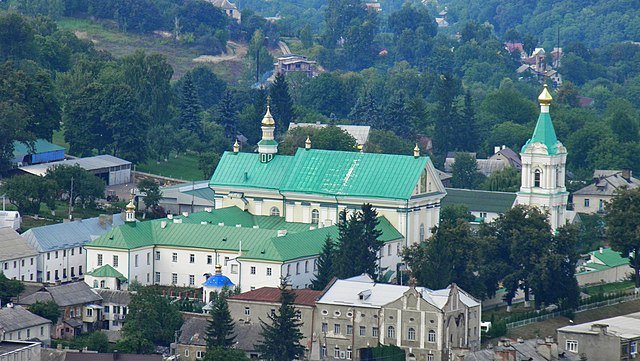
(218, 280)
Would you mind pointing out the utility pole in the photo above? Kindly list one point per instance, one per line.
(71, 199)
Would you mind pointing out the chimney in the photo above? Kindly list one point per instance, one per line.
(203, 222)
(208, 209)
(600, 327)
(163, 224)
(600, 250)
(185, 214)
(221, 224)
(626, 174)
(238, 226)
(549, 349)
(496, 149)
(169, 216)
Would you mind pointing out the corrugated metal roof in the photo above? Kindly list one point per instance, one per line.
(107, 271)
(12, 246)
(74, 293)
(480, 201)
(89, 163)
(18, 318)
(257, 243)
(356, 174)
(610, 257)
(67, 235)
(544, 133)
(114, 296)
(304, 297)
(327, 172)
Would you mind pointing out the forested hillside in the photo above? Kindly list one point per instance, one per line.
(596, 23)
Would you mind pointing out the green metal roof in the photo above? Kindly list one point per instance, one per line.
(40, 146)
(544, 133)
(267, 142)
(327, 172)
(107, 271)
(480, 201)
(610, 257)
(246, 170)
(257, 243)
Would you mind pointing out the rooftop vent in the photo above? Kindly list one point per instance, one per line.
(256, 227)
(311, 228)
(203, 222)
(221, 224)
(185, 214)
(169, 216)
(163, 224)
(238, 225)
(208, 209)
(282, 232)
(177, 220)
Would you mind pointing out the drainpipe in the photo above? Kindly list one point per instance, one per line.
(337, 210)
(406, 224)
(284, 205)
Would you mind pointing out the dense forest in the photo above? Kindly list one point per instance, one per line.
(395, 71)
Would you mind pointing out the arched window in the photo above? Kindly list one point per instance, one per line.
(421, 232)
(537, 175)
(411, 334)
(102, 284)
(315, 216)
(306, 266)
(391, 332)
(274, 212)
(431, 337)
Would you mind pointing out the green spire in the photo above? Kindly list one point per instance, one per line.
(544, 132)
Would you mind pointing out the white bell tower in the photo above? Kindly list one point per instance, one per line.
(544, 160)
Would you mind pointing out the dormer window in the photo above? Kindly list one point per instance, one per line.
(537, 175)
(364, 295)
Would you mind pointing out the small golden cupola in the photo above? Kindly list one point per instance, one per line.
(307, 143)
(236, 147)
(416, 151)
(130, 213)
(268, 146)
(545, 97)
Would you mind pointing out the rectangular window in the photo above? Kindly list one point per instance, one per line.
(64, 273)
(41, 330)
(73, 272)
(348, 354)
(349, 330)
(73, 251)
(234, 268)
(158, 277)
(135, 261)
(323, 352)
(336, 328)
(148, 277)
(374, 331)
(174, 278)
(253, 270)
(288, 269)
(586, 202)
(226, 260)
(80, 270)
(21, 263)
(199, 354)
(48, 256)
(572, 346)
(363, 331)
(106, 309)
(80, 250)
(268, 271)
(115, 261)
(15, 264)
(209, 259)
(325, 327)
(64, 253)
(56, 254)
(298, 268)
(388, 250)
(174, 257)
(336, 353)
(247, 311)
(56, 275)
(32, 261)
(192, 258)
(192, 280)
(89, 312)
(157, 255)
(633, 348)
(430, 357)
(99, 260)
(148, 258)
(28, 333)
(48, 275)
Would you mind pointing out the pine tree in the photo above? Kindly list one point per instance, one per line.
(350, 252)
(227, 116)
(466, 130)
(220, 326)
(371, 239)
(397, 116)
(326, 269)
(281, 104)
(281, 336)
(367, 111)
(189, 105)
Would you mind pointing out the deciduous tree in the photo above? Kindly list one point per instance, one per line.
(623, 227)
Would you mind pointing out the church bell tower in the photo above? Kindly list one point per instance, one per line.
(268, 146)
(544, 160)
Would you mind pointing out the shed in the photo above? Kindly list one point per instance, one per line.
(111, 169)
(42, 152)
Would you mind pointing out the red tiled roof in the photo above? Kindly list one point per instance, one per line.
(304, 297)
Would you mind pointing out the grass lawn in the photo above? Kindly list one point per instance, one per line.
(58, 139)
(609, 287)
(184, 166)
(106, 35)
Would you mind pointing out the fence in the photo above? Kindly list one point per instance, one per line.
(582, 308)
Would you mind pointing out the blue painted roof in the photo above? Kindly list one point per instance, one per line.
(218, 280)
(67, 235)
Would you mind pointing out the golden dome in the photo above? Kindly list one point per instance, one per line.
(545, 97)
(131, 206)
(267, 120)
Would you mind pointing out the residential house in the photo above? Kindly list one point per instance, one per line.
(615, 338)
(60, 246)
(42, 152)
(603, 266)
(252, 250)
(229, 8)
(520, 350)
(359, 132)
(592, 198)
(292, 63)
(17, 257)
(485, 206)
(79, 305)
(191, 343)
(18, 324)
(249, 308)
(20, 350)
(115, 307)
(356, 314)
(10, 219)
(502, 158)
